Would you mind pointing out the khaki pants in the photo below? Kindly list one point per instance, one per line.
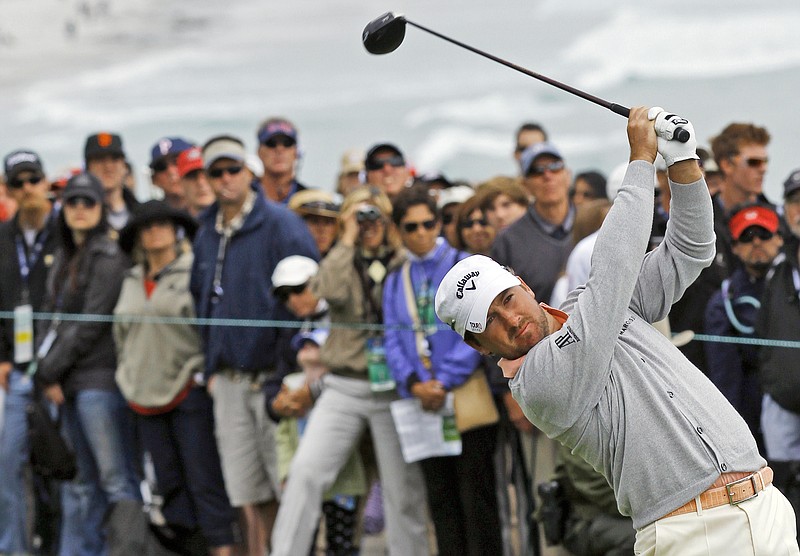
(762, 526)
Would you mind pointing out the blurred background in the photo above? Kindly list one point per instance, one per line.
(149, 68)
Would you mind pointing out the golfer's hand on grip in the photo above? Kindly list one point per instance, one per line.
(641, 136)
(665, 124)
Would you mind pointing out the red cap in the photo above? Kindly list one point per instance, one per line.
(189, 160)
(757, 215)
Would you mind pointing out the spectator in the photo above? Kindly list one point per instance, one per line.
(587, 187)
(105, 159)
(448, 202)
(740, 151)
(291, 282)
(732, 310)
(280, 154)
(319, 210)
(197, 192)
(164, 169)
(474, 234)
(27, 244)
(528, 134)
(76, 370)
(160, 370)
(351, 279)
(387, 169)
(241, 239)
(461, 489)
(504, 201)
(351, 171)
(779, 372)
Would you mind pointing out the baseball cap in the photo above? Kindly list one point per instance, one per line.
(189, 160)
(83, 185)
(352, 161)
(271, 128)
(20, 161)
(456, 194)
(381, 147)
(752, 215)
(468, 289)
(294, 270)
(792, 183)
(167, 146)
(223, 146)
(314, 201)
(533, 152)
(103, 143)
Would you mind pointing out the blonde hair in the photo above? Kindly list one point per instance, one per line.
(376, 197)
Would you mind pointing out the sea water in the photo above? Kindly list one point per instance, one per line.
(148, 68)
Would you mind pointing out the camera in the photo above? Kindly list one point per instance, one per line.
(368, 213)
(553, 512)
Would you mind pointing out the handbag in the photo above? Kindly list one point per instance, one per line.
(50, 456)
(472, 401)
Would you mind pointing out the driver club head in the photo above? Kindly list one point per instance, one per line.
(384, 34)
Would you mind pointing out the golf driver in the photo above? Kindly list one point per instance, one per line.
(385, 33)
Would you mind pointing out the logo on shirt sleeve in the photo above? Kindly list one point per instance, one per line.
(567, 338)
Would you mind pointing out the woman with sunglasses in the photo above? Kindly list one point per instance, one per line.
(354, 396)
(159, 372)
(429, 365)
(101, 507)
(474, 233)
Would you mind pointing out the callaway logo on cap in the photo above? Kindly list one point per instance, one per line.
(468, 289)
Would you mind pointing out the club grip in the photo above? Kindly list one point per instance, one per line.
(681, 135)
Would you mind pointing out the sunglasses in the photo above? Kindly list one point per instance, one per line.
(85, 202)
(411, 227)
(163, 163)
(395, 161)
(754, 232)
(217, 172)
(447, 218)
(555, 166)
(19, 183)
(471, 223)
(756, 162)
(283, 292)
(281, 140)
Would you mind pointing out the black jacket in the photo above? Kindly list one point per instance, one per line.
(779, 319)
(11, 281)
(83, 355)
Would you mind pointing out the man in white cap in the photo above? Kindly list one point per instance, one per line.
(602, 381)
(241, 240)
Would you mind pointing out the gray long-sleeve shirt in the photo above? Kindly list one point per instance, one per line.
(616, 391)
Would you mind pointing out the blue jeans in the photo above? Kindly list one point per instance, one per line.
(13, 458)
(95, 423)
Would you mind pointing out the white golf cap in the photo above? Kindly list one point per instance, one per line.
(294, 270)
(468, 289)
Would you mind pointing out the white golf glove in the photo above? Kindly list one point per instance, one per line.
(665, 125)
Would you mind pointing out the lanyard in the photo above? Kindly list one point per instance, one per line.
(28, 261)
(216, 291)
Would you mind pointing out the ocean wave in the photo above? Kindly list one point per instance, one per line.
(634, 44)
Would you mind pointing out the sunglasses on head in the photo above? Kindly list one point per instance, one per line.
(394, 161)
(554, 166)
(217, 172)
(87, 202)
(281, 140)
(754, 232)
(411, 227)
(283, 292)
(471, 222)
(19, 183)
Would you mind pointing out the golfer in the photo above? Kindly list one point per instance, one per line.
(602, 381)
